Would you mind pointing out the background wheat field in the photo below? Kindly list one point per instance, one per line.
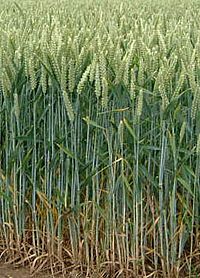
(100, 137)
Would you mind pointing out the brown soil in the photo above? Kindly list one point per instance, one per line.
(8, 271)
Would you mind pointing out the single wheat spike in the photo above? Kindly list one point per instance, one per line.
(139, 104)
(68, 106)
(16, 106)
(83, 80)
(97, 82)
(71, 76)
(104, 93)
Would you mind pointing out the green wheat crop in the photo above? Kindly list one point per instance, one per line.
(100, 137)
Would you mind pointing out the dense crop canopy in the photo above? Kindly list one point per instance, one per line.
(100, 136)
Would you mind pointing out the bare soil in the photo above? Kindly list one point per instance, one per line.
(9, 271)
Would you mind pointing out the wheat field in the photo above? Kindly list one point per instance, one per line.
(100, 137)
